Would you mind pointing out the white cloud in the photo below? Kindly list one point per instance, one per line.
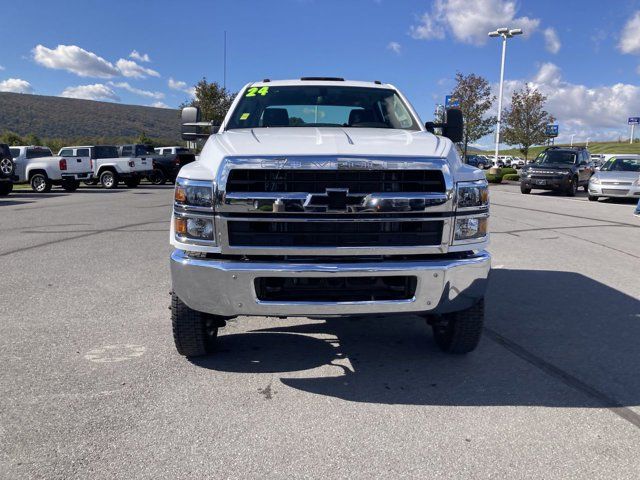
(75, 60)
(630, 38)
(160, 105)
(1, 68)
(395, 47)
(137, 91)
(469, 21)
(129, 68)
(599, 112)
(97, 91)
(551, 40)
(181, 86)
(141, 57)
(16, 85)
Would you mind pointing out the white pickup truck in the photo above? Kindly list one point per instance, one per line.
(37, 166)
(108, 168)
(323, 197)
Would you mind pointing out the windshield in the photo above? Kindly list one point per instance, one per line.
(556, 156)
(38, 152)
(621, 165)
(144, 150)
(103, 151)
(321, 106)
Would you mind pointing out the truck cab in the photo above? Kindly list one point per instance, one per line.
(325, 197)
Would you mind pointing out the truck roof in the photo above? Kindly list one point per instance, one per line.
(320, 81)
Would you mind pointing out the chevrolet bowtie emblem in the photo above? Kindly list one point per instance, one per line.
(332, 200)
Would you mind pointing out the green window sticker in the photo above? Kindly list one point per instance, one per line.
(253, 91)
(244, 116)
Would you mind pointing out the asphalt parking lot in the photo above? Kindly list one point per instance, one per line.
(92, 387)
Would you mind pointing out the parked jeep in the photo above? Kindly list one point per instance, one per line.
(37, 166)
(7, 170)
(319, 197)
(562, 169)
(168, 163)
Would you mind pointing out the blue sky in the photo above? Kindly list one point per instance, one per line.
(584, 57)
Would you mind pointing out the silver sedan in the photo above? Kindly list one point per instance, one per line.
(619, 177)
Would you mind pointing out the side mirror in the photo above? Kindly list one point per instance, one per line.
(192, 127)
(453, 125)
(430, 127)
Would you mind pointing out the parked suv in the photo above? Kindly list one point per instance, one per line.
(562, 169)
(7, 170)
(479, 161)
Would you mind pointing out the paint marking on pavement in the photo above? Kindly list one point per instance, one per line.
(571, 381)
(115, 353)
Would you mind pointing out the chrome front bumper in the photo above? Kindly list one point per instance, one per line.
(227, 287)
(617, 191)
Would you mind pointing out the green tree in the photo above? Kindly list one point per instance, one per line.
(474, 94)
(142, 138)
(213, 100)
(11, 139)
(525, 120)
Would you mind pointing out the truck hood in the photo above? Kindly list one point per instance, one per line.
(331, 141)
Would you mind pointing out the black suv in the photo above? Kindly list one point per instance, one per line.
(7, 170)
(563, 169)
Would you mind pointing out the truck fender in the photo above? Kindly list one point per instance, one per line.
(38, 167)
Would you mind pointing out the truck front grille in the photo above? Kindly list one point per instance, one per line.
(334, 234)
(317, 181)
(335, 289)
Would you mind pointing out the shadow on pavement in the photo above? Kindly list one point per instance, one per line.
(586, 330)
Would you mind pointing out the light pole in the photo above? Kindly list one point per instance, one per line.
(588, 138)
(505, 33)
(573, 135)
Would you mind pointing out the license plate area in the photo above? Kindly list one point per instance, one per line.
(539, 182)
(335, 289)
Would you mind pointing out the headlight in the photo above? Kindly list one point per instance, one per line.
(595, 180)
(191, 228)
(470, 228)
(473, 194)
(196, 194)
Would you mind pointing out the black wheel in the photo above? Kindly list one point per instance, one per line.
(70, 185)
(5, 188)
(194, 333)
(158, 177)
(460, 332)
(7, 167)
(132, 182)
(524, 189)
(109, 179)
(592, 198)
(40, 183)
(572, 188)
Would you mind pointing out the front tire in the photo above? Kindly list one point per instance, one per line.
(460, 332)
(158, 177)
(592, 198)
(109, 179)
(70, 185)
(524, 189)
(572, 188)
(5, 188)
(40, 183)
(194, 333)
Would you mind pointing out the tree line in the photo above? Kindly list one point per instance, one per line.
(524, 121)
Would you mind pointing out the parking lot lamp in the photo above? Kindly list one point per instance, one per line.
(505, 33)
(573, 135)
